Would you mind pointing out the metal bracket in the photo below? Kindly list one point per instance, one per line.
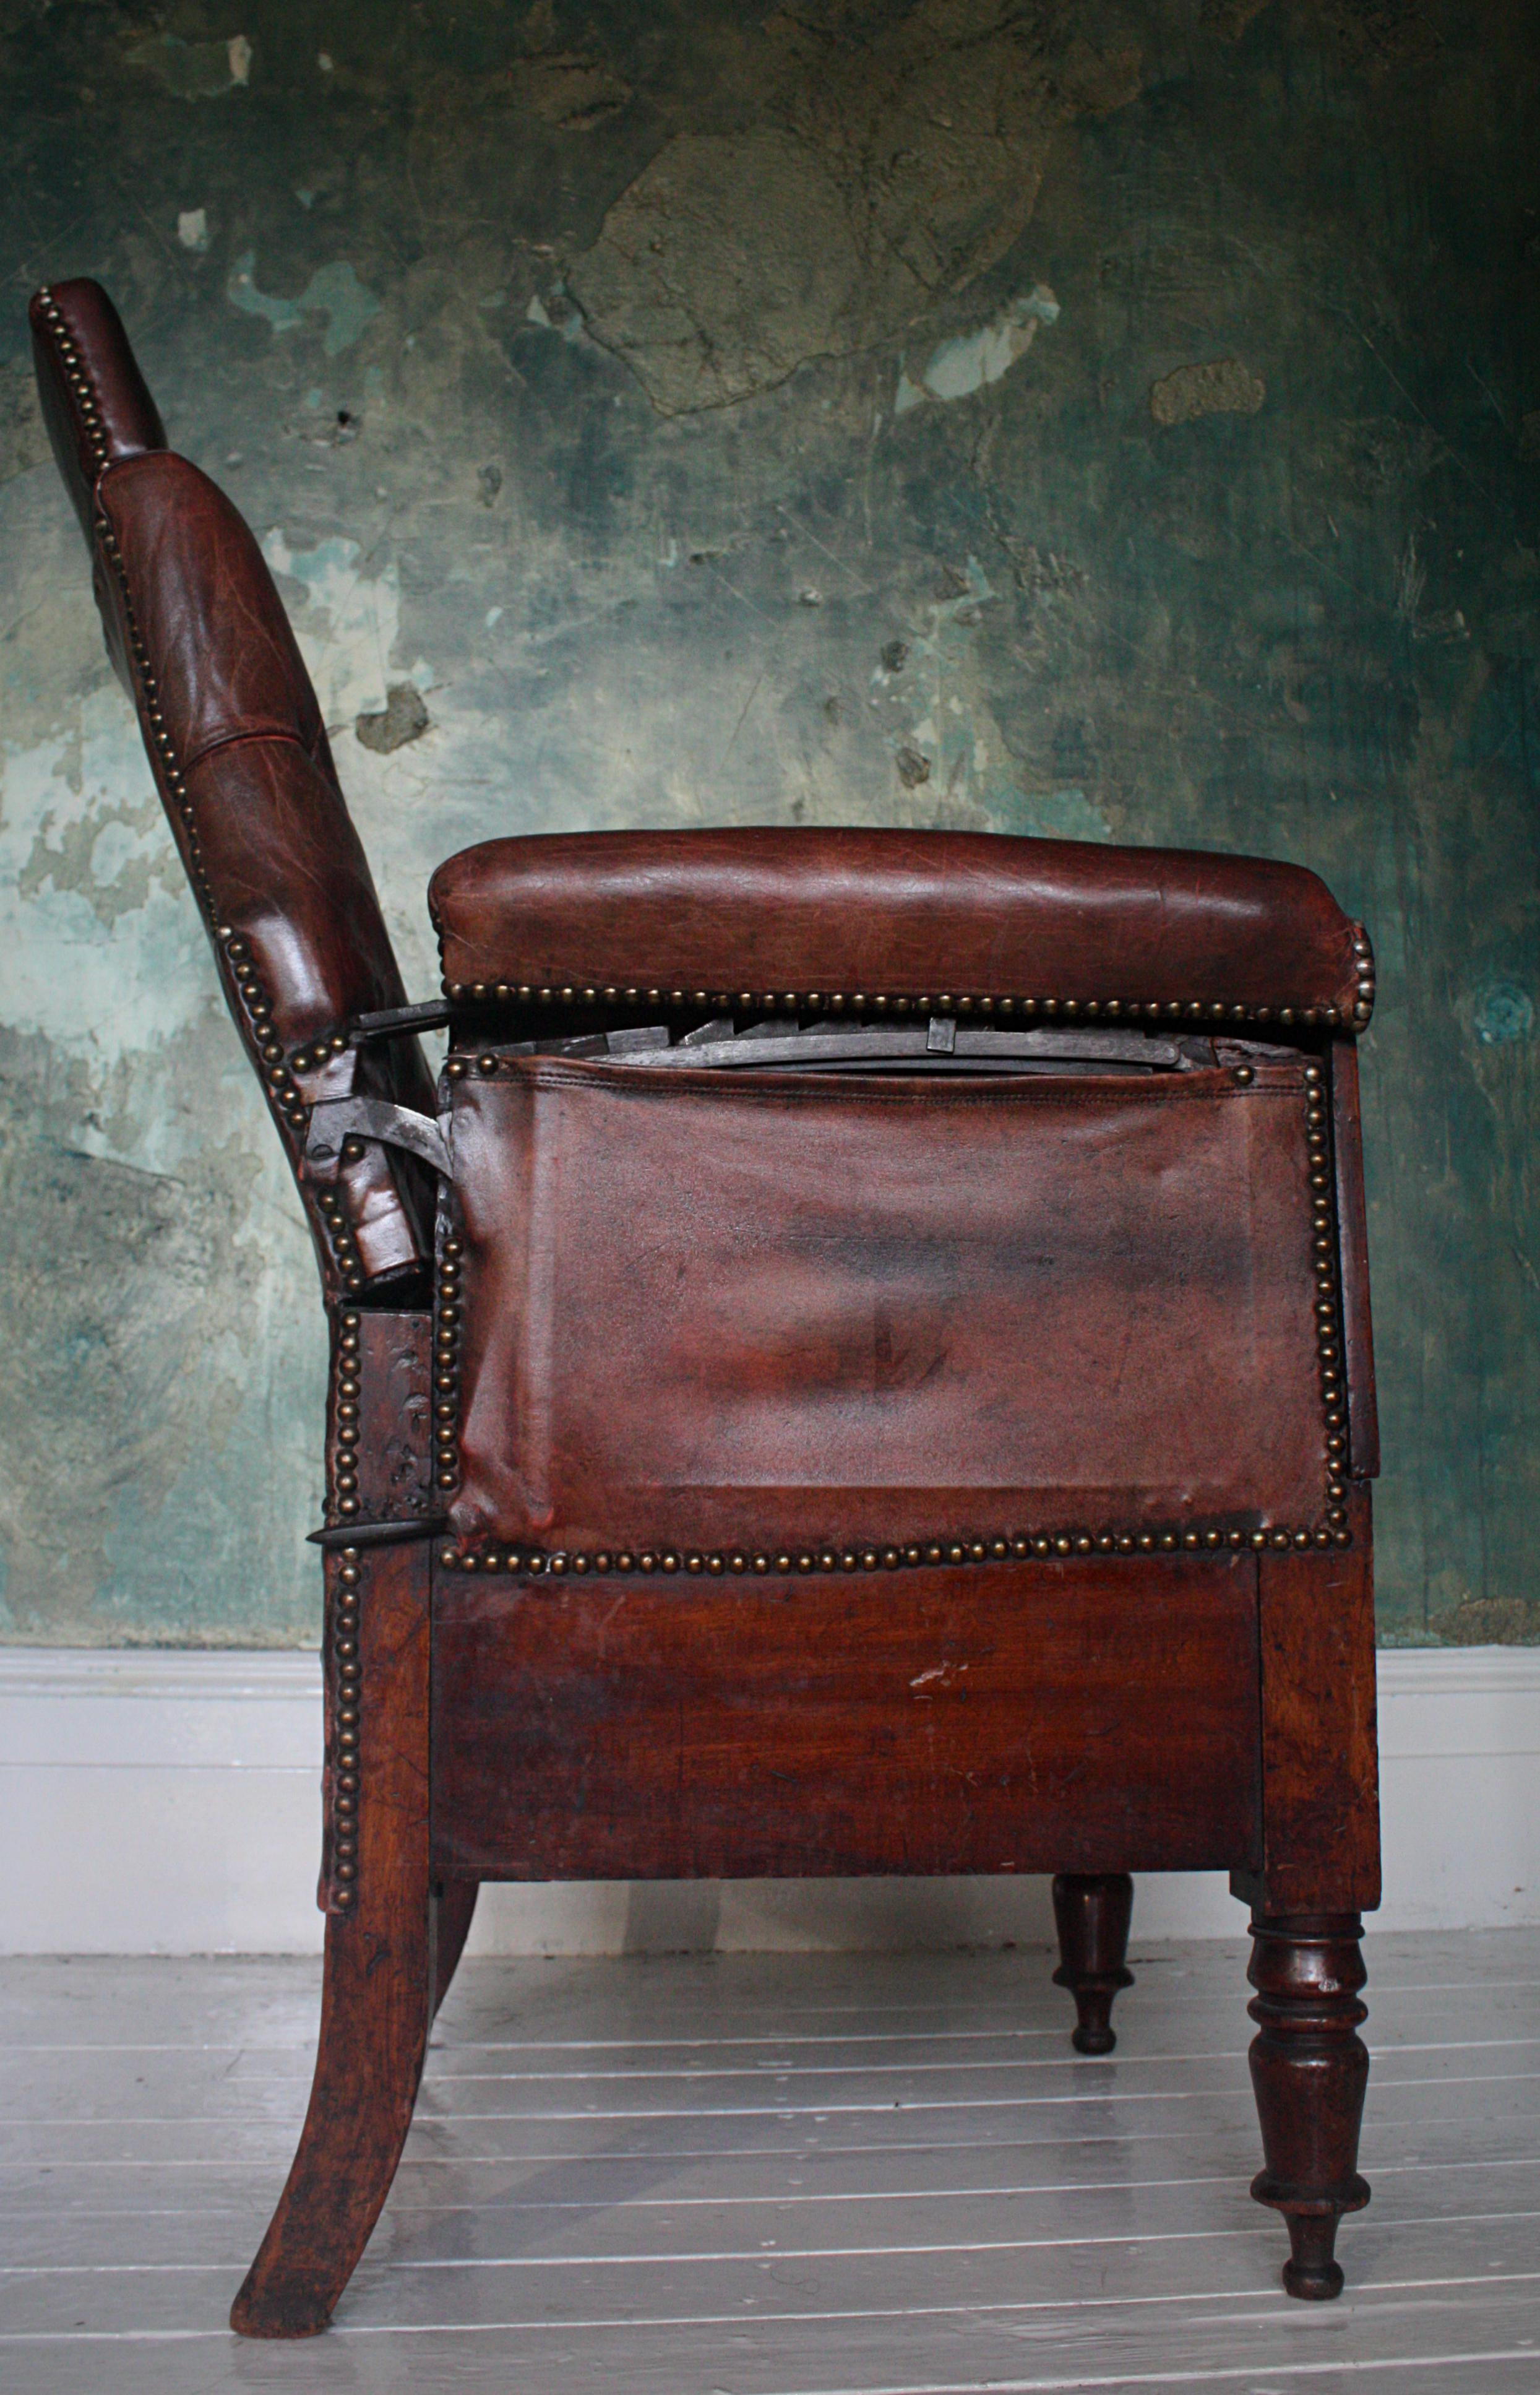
(398, 1021)
(335, 1121)
(376, 1534)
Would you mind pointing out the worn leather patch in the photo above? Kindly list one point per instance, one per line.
(704, 1311)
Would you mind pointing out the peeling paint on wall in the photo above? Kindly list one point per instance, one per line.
(964, 366)
(899, 157)
(333, 291)
(1224, 386)
(192, 69)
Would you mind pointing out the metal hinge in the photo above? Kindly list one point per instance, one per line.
(335, 1121)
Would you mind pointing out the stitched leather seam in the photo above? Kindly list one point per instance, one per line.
(278, 737)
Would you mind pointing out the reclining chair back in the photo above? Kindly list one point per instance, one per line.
(200, 640)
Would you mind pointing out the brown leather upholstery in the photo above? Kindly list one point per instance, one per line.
(95, 402)
(965, 915)
(200, 641)
(705, 1314)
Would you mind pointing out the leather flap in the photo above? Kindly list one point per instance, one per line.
(697, 1313)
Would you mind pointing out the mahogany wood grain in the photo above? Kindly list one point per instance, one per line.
(1309, 2070)
(990, 1718)
(1091, 1913)
(453, 1908)
(375, 1990)
(1320, 1759)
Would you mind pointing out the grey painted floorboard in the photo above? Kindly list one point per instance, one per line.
(773, 2176)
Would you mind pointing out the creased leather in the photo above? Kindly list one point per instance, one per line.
(127, 421)
(712, 1311)
(226, 662)
(894, 912)
(230, 710)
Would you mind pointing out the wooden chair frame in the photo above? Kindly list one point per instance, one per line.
(242, 761)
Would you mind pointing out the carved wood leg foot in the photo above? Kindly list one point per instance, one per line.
(375, 2003)
(1092, 1912)
(453, 1908)
(1309, 2070)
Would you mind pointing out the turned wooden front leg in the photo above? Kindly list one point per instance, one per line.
(1092, 1912)
(1310, 2069)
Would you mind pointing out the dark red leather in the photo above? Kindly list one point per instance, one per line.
(936, 914)
(224, 654)
(95, 402)
(764, 1312)
(201, 640)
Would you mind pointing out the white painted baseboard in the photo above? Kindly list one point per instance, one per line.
(155, 1802)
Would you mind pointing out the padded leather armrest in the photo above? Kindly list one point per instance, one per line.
(200, 641)
(777, 915)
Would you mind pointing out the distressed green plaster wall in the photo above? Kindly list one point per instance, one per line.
(718, 417)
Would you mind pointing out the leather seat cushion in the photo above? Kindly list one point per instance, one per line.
(735, 913)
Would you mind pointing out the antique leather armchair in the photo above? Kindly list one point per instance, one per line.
(862, 1364)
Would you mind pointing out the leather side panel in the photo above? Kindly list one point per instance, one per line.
(1036, 1718)
(942, 914)
(713, 1312)
(1354, 1229)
